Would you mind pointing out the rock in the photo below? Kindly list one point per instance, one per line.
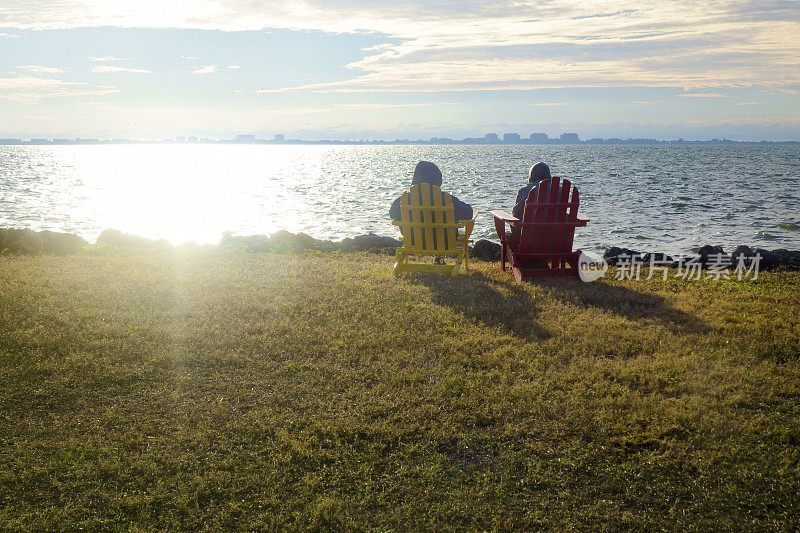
(114, 237)
(20, 241)
(713, 255)
(742, 254)
(787, 259)
(658, 258)
(782, 258)
(614, 252)
(345, 245)
(284, 241)
(768, 261)
(486, 250)
(743, 251)
(373, 242)
(248, 243)
(280, 241)
(306, 242)
(61, 243)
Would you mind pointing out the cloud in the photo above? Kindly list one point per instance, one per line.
(372, 106)
(8, 36)
(32, 89)
(38, 69)
(507, 44)
(111, 69)
(205, 69)
(213, 69)
(703, 95)
(108, 58)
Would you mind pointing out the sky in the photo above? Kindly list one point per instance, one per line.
(379, 69)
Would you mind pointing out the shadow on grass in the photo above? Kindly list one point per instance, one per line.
(622, 301)
(495, 304)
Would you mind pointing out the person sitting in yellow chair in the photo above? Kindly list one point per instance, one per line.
(439, 242)
(427, 172)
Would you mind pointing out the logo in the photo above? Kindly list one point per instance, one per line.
(591, 267)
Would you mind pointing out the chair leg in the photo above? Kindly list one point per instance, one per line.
(399, 261)
(503, 256)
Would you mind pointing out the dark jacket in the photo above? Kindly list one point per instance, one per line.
(427, 172)
(539, 172)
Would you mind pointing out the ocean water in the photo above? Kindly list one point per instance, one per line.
(651, 198)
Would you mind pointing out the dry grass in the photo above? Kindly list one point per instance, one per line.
(180, 391)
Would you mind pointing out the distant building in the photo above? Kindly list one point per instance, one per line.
(570, 138)
(491, 138)
(180, 139)
(245, 139)
(511, 138)
(279, 138)
(539, 138)
(192, 139)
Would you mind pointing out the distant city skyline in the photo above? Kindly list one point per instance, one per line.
(508, 138)
(320, 69)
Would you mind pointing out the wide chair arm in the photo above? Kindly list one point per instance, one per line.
(468, 224)
(500, 220)
(502, 217)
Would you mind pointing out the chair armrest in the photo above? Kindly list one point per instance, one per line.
(469, 223)
(500, 219)
(503, 216)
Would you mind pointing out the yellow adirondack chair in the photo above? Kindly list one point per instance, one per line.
(427, 223)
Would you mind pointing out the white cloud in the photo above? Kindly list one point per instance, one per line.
(703, 95)
(8, 36)
(372, 106)
(108, 58)
(110, 69)
(213, 69)
(205, 69)
(38, 69)
(518, 44)
(31, 89)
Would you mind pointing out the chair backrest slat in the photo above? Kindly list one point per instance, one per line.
(450, 232)
(427, 220)
(551, 201)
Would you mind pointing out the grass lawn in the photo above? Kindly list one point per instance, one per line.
(174, 390)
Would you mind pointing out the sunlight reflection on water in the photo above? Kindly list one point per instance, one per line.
(667, 198)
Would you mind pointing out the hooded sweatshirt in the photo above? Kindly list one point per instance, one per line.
(540, 171)
(427, 172)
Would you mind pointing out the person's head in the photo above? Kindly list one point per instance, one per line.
(427, 172)
(540, 171)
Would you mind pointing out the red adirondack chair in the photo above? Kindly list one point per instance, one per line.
(543, 247)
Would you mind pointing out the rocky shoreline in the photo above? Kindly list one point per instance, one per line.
(30, 242)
